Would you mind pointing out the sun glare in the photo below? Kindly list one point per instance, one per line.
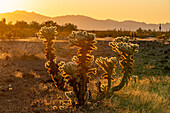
(148, 11)
(8, 5)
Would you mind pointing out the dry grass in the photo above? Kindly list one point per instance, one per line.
(147, 95)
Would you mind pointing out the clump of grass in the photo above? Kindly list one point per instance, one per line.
(143, 96)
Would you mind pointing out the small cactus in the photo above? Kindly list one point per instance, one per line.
(109, 66)
(85, 42)
(126, 50)
(49, 34)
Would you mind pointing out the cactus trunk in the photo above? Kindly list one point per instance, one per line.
(109, 81)
(126, 74)
(83, 78)
(121, 85)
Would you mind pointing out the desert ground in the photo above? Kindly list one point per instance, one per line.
(26, 87)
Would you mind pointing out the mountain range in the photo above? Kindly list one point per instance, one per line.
(82, 22)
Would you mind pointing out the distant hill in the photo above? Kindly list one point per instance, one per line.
(83, 22)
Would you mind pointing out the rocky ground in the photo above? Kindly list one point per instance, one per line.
(25, 85)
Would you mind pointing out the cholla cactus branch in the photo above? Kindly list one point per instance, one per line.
(85, 42)
(71, 96)
(126, 50)
(49, 34)
(109, 66)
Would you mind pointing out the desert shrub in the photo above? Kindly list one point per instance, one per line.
(75, 74)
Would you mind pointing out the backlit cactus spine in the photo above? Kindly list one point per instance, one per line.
(126, 50)
(85, 42)
(49, 34)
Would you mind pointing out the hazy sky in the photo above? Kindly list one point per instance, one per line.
(149, 11)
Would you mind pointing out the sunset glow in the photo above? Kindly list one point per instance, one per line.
(149, 11)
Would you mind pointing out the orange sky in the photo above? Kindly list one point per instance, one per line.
(149, 11)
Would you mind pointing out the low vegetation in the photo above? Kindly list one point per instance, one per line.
(22, 29)
(122, 80)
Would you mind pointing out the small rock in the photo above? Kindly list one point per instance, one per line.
(18, 74)
(9, 85)
(10, 89)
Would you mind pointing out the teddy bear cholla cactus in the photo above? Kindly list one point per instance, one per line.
(70, 71)
(81, 64)
(80, 39)
(73, 73)
(122, 45)
(49, 34)
(109, 66)
(126, 50)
